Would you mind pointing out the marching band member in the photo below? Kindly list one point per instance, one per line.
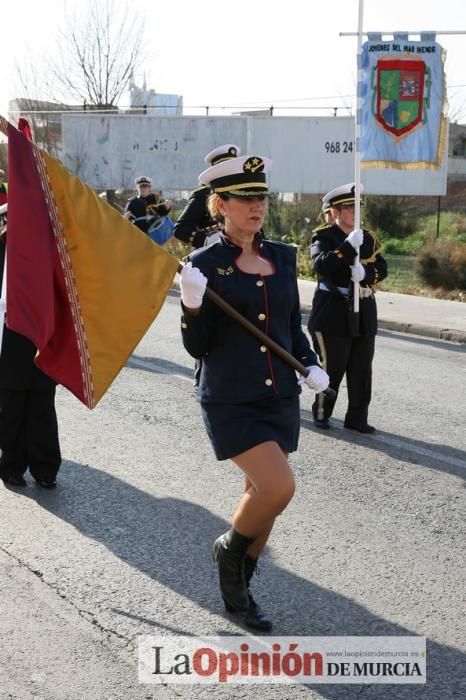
(333, 249)
(195, 224)
(146, 205)
(249, 397)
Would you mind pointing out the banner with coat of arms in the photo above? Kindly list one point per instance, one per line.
(403, 104)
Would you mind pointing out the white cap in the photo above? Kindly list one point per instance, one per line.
(221, 153)
(244, 176)
(344, 194)
(143, 180)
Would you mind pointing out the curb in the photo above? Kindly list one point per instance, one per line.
(453, 336)
(424, 330)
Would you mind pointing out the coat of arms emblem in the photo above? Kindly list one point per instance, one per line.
(400, 94)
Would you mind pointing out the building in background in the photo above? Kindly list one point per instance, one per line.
(147, 101)
(45, 120)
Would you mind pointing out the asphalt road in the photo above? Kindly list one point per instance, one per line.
(372, 544)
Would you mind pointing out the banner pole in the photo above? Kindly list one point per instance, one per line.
(357, 166)
(265, 339)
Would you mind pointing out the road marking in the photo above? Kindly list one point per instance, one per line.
(153, 366)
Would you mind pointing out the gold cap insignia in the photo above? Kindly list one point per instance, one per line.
(254, 164)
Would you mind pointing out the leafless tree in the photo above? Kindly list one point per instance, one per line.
(34, 103)
(94, 56)
(98, 50)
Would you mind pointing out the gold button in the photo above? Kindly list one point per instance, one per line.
(263, 348)
(261, 317)
(260, 283)
(184, 325)
(268, 382)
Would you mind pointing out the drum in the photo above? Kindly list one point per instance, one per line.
(161, 230)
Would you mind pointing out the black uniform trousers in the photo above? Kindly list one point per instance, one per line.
(29, 433)
(350, 356)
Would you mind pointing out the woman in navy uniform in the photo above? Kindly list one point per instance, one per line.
(333, 250)
(249, 397)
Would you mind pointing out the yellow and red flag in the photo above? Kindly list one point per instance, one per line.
(83, 284)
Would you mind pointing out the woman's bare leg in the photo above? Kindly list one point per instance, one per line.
(269, 487)
(259, 543)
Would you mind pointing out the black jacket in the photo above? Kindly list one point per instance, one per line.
(152, 205)
(194, 219)
(236, 367)
(17, 368)
(332, 256)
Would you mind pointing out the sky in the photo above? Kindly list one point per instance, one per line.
(250, 53)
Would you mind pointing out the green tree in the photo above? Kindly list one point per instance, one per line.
(390, 215)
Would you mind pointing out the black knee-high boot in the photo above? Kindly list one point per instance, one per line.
(254, 616)
(229, 552)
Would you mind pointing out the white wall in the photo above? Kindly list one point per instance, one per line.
(310, 154)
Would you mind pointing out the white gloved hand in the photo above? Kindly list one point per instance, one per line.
(192, 284)
(317, 379)
(358, 272)
(355, 238)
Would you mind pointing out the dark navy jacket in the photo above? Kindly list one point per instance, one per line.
(194, 219)
(332, 256)
(236, 367)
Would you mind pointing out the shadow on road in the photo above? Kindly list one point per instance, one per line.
(440, 457)
(169, 540)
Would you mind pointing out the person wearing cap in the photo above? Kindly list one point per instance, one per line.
(333, 251)
(327, 213)
(195, 225)
(249, 397)
(146, 205)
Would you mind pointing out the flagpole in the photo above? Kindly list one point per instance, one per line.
(357, 166)
(265, 339)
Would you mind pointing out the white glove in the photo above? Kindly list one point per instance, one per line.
(358, 272)
(192, 284)
(355, 238)
(317, 379)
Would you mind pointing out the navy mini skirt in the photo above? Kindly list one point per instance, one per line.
(235, 428)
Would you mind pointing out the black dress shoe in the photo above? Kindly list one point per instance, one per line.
(323, 423)
(253, 617)
(46, 483)
(15, 480)
(366, 428)
(230, 562)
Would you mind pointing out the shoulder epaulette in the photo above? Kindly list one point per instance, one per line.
(324, 227)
